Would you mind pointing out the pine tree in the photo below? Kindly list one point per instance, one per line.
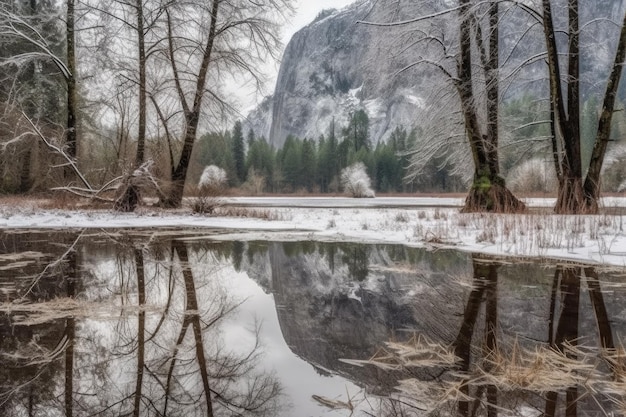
(239, 152)
(357, 132)
(291, 162)
(309, 164)
(251, 138)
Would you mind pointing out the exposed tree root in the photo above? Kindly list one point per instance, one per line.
(492, 197)
(572, 199)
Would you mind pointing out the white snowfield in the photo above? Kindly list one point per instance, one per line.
(420, 222)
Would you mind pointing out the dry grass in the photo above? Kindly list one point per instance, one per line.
(231, 211)
(539, 369)
(419, 351)
(30, 314)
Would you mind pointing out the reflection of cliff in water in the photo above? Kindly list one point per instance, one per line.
(343, 300)
(129, 324)
(328, 312)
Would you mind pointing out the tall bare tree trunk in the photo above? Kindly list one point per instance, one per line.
(192, 113)
(71, 136)
(577, 193)
(592, 181)
(488, 191)
(141, 132)
(131, 196)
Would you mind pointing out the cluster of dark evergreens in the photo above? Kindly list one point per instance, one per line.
(307, 165)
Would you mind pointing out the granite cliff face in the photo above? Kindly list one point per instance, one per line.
(333, 67)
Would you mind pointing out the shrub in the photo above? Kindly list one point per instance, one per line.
(213, 177)
(533, 175)
(211, 186)
(356, 182)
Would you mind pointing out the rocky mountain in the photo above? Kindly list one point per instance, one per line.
(335, 66)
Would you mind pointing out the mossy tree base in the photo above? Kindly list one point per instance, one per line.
(491, 196)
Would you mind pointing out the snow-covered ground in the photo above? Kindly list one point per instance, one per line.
(431, 222)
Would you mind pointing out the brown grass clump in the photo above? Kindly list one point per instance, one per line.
(418, 351)
(539, 370)
(231, 211)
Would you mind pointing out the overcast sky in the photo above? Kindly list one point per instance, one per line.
(305, 12)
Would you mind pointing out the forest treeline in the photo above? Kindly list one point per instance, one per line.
(314, 166)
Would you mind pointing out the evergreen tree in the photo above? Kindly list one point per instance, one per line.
(309, 164)
(388, 167)
(31, 84)
(215, 149)
(323, 176)
(239, 152)
(291, 162)
(333, 148)
(357, 131)
(251, 138)
(262, 159)
(328, 161)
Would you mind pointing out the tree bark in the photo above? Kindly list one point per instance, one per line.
(592, 181)
(488, 191)
(577, 193)
(192, 114)
(131, 196)
(71, 135)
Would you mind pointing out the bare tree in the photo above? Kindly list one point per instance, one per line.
(145, 16)
(72, 104)
(578, 192)
(218, 38)
(476, 86)
(29, 84)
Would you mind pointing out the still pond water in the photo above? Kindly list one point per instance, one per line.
(172, 323)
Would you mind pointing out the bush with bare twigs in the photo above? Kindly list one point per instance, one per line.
(356, 182)
(211, 187)
(536, 174)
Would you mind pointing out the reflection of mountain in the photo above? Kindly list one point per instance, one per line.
(327, 313)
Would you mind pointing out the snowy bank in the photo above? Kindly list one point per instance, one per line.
(416, 222)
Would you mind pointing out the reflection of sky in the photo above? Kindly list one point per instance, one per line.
(299, 379)
(212, 276)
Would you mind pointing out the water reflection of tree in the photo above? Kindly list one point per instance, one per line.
(35, 350)
(217, 372)
(484, 290)
(494, 375)
(163, 354)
